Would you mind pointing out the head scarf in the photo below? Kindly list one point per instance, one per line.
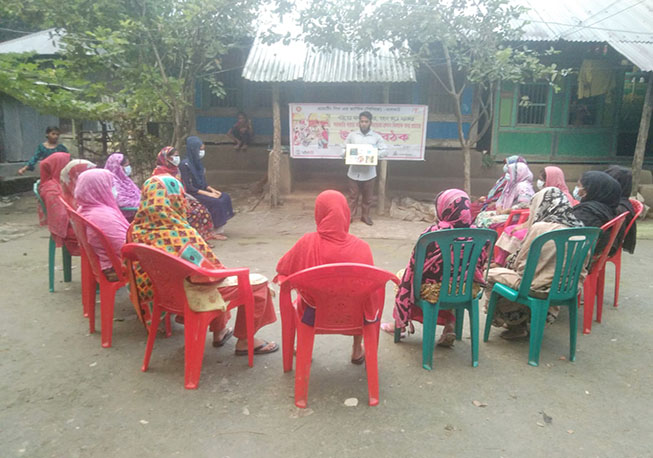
(128, 193)
(69, 176)
(519, 185)
(600, 202)
(452, 209)
(496, 190)
(550, 205)
(50, 190)
(624, 177)
(97, 204)
(194, 163)
(555, 177)
(163, 165)
(161, 222)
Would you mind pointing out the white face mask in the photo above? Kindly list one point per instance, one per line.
(505, 168)
(507, 176)
(114, 191)
(540, 184)
(202, 153)
(576, 193)
(175, 160)
(128, 170)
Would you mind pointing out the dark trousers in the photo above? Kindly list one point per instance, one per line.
(365, 189)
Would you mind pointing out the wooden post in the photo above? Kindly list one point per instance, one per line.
(275, 155)
(383, 165)
(642, 135)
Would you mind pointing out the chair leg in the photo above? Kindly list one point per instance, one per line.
(370, 342)
(600, 286)
(91, 306)
(538, 320)
(151, 335)
(573, 331)
(195, 326)
(288, 339)
(107, 301)
(305, 340)
(588, 306)
(88, 286)
(168, 325)
(67, 265)
(52, 248)
(397, 334)
(460, 319)
(473, 330)
(249, 323)
(617, 276)
(490, 315)
(430, 313)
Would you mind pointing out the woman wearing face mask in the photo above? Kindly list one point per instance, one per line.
(494, 194)
(554, 177)
(167, 163)
(128, 195)
(193, 176)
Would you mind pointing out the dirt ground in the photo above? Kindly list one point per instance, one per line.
(63, 395)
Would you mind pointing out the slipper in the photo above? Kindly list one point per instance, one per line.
(390, 329)
(358, 361)
(221, 342)
(259, 350)
(447, 340)
(512, 335)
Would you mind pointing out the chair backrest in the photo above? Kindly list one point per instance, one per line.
(38, 196)
(342, 294)
(82, 227)
(573, 247)
(611, 230)
(460, 250)
(517, 216)
(167, 273)
(639, 208)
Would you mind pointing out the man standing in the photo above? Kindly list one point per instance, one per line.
(361, 178)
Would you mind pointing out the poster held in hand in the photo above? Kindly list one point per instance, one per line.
(361, 154)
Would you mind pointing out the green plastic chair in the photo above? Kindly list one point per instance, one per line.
(65, 255)
(464, 247)
(572, 249)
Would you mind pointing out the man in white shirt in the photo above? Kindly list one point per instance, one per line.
(361, 178)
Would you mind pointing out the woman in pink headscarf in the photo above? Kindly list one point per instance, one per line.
(128, 194)
(452, 208)
(56, 216)
(69, 176)
(97, 204)
(517, 193)
(554, 177)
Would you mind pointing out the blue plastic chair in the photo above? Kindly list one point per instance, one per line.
(461, 250)
(65, 255)
(572, 249)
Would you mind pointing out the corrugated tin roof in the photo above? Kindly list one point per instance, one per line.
(625, 25)
(297, 61)
(44, 42)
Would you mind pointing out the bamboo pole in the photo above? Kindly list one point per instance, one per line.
(383, 164)
(274, 171)
(642, 135)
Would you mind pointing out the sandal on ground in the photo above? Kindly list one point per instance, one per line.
(514, 334)
(215, 236)
(227, 336)
(447, 340)
(390, 329)
(358, 361)
(261, 349)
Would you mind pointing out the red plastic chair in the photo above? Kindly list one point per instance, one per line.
(340, 293)
(167, 273)
(516, 216)
(616, 258)
(93, 275)
(594, 282)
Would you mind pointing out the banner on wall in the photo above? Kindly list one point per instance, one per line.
(318, 131)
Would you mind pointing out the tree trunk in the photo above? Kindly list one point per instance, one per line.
(642, 136)
(467, 169)
(383, 165)
(274, 166)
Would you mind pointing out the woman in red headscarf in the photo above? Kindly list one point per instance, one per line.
(331, 243)
(56, 217)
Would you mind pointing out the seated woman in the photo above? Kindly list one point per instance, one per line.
(624, 177)
(516, 193)
(167, 163)
(194, 177)
(161, 222)
(97, 204)
(488, 202)
(511, 238)
(69, 176)
(452, 208)
(56, 217)
(129, 196)
(551, 210)
(242, 133)
(331, 243)
(599, 196)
